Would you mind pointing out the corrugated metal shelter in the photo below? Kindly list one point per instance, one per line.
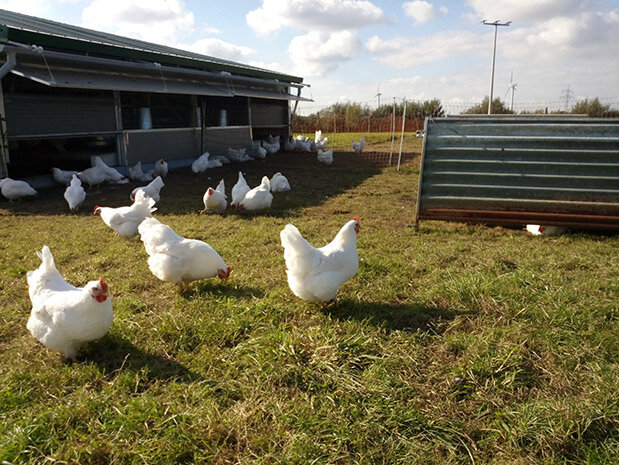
(514, 170)
(69, 93)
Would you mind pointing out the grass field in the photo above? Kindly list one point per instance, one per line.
(457, 344)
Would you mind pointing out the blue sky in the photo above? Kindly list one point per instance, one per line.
(350, 50)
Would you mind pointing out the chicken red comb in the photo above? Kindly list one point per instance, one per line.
(103, 284)
(94, 212)
(357, 220)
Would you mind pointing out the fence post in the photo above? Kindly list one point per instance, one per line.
(392, 131)
(402, 136)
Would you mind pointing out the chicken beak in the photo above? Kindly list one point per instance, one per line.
(224, 274)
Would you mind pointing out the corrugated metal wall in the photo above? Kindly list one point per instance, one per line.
(555, 170)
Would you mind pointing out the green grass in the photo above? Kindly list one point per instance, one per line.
(456, 344)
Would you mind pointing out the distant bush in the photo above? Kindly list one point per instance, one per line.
(498, 107)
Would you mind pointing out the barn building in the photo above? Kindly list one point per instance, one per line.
(70, 93)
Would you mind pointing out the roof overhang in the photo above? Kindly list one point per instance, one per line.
(59, 69)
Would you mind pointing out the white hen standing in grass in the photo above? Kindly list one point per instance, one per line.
(258, 198)
(92, 176)
(64, 317)
(238, 191)
(111, 174)
(74, 194)
(152, 189)
(137, 174)
(215, 199)
(173, 258)
(316, 274)
(279, 183)
(62, 176)
(14, 189)
(125, 220)
(325, 157)
(161, 168)
(358, 146)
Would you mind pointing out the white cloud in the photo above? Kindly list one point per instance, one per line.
(160, 21)
(422, 11)
(39, 8)
(324, 15)
(528, 10)
(402, 52)
(220, 49)
(317, 53)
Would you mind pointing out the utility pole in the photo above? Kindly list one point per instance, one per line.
(378, 94)
(567, 95)
(495, 24)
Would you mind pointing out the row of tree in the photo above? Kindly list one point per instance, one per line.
(355, 117)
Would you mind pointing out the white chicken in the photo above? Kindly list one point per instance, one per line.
(63, 176)
(303, 144)
(152, 189)
(325, 157)
(271, 147)
(111, 174)
(74, 194)
(258, 152)
(14, 189)
(279, 183)
(258, 198)
(238, 191)
(545, 230)
(92, 176)
(173, 258)
(215, 199)
(290, 145)
(125, 220)
(137, 174)
(201, 163)
(161, 168)
(320, 141)
(315, 274)
(64, 317)
(238, 155)
(358, 146)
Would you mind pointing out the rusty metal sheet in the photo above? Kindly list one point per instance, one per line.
(555, 170)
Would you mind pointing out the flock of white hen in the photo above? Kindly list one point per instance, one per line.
(65, 317)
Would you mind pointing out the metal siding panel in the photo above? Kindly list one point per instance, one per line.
(172, 144)
(33, 116)
(536, 168)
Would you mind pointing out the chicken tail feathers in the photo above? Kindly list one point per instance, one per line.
(298, 253)
(47, 259)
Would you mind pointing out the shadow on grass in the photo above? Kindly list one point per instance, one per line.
(396, 317)
(214, 289)
(182, 193)
(115, 354)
